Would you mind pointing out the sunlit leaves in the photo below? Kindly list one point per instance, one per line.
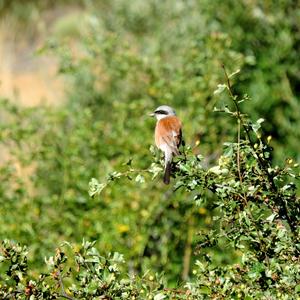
(220, 89)
(257, 125)
(95, 187)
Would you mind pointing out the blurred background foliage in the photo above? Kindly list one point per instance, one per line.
(119, 60)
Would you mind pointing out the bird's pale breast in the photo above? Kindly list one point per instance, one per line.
(168, 131)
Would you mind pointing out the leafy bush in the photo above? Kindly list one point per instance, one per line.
(257, 215)
(92, 276)
(128, 59)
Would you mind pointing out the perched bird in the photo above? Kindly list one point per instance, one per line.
(168, 135)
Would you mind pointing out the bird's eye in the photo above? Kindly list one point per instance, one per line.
(161, 112)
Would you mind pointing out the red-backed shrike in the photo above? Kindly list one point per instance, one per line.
(168, 136)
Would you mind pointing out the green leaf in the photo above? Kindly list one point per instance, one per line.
(95, 187)
(159, 296)
(271, 218)
(140, 179)
(220, 89)
(256, 126)
(216, 170)
(155, 170)
(234, 73)
(117, 257)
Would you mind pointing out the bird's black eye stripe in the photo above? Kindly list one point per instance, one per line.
(161, 112)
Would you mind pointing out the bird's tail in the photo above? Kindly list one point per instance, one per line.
(167, 172)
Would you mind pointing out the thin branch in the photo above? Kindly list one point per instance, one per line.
(247, 131)
(62, 287)
(238, 151)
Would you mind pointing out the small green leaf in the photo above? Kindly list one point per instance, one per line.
(216, 170)
(139, 178)
(155, 170)
(271, 218)
(128, 162)
(256, 126)
(159, 296)
(220, 89)
(234, 73)
(95, 187)
(117, 257)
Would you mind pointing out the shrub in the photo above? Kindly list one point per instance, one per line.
(128, 59)
(256, 214)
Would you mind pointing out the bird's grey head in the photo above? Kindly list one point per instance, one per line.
(163, 111)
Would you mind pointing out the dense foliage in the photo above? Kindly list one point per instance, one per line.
(229, 225)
